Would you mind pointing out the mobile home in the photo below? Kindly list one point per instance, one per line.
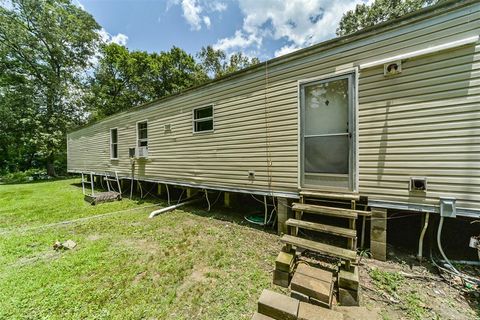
(390, 113)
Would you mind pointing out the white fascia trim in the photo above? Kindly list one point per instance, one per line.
(444, 46)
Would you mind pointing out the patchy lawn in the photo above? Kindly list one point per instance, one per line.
(179, 265)
(185, 264)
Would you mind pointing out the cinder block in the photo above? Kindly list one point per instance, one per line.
(312, 287)
(349, 279)
(282, 215)
(378, 250)
(284, 261)
(378, 234)
(307, 311)
(319, 303)
(277, 306)
(316, 273)
(259, 316)
(299, 296)
(281, 278)
(349, 297)
(378, 212)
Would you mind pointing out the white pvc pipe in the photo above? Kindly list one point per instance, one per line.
(439, 242)
(170, 208)
(422, 235)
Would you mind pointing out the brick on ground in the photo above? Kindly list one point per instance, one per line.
(307, 311)
(299, 296)
(277, 306)
(281, 278)
(284, 261)
(348, 297)
(313, 272)
(312, 287)
(348, 280)
(259, 316)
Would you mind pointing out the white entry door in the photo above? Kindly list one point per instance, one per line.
(327, 133)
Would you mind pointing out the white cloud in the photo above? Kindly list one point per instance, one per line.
(196, 12)
(285, 50)
(238, 41)
(119, 38)
(207, 21)
(299, 23)
(217, 6)
(191, 13)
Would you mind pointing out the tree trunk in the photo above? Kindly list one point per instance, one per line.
(51, 166)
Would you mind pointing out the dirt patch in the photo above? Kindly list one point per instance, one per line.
(198, 276)
(38, 257)
(94, 237)
(406, 289)
(141, 245)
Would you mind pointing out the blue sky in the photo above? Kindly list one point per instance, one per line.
(261, 28)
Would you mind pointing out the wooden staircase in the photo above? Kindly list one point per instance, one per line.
(316, 203)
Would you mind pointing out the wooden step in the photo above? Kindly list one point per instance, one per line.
(327, 211)
(330, 195)
(338, 231)
(322, 248)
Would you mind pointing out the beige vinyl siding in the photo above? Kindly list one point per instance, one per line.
(423, 122)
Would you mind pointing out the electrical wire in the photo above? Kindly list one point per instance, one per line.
(208, 201)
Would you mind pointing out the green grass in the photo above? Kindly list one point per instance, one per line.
(179, 265)
(394, 284)
(388, 281)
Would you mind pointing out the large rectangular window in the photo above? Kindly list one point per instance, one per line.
(114, 143)
(203, 119)
(142, 134)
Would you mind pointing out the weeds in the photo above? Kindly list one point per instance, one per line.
(388, 281)
(414, 305)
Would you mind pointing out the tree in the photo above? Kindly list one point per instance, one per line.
(365, 15)
(45, 47)
(216, 64)
(124, 79)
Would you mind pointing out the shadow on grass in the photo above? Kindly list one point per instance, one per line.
(2, 183)
(244, 205)
(125, 194)
(236, 214)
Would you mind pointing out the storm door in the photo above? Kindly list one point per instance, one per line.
(327, 133)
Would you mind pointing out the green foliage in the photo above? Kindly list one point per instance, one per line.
(388, 281)
(24, 176)
(45, 47)
(124, 79)
(414, 306)
(216, 64)
(365, 15)
(56, 74)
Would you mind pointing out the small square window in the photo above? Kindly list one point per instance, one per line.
(203, 119)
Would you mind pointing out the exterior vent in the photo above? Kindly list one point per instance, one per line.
(418, 184)
(167, 128)
(141, 152)
(392, 68)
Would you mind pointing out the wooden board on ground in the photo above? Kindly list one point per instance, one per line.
(103, 197)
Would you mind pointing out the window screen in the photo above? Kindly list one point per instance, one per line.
(114, 143)
(203, 119)
(142, 133)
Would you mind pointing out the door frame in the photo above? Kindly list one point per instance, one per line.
(353, 118)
